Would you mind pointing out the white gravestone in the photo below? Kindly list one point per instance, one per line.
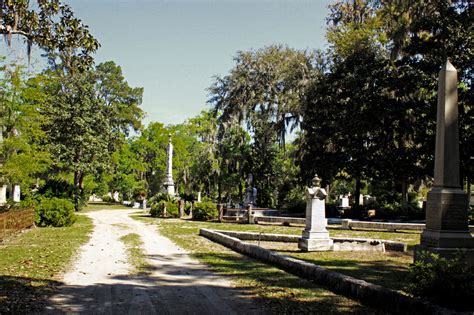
(3, 195)
(345, 202)
(315, 236)
(116, 196)
(16, 193)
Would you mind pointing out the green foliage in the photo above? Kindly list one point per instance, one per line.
(53, 27)
(445, 281)
(107, 198)
(23, 156)
(55, 212)
(163, 208)
(205, 210)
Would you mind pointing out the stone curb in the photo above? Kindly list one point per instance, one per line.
(348, 224)
(367, 293)
(264, 237)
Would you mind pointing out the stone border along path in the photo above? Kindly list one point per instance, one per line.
(368, 293)
(101, 281)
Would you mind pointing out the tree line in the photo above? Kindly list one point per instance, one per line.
(360, 113)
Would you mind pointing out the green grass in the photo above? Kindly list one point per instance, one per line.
(96, 206)
(135, 254)
(389, 269)
(31, 264)
(279, 291)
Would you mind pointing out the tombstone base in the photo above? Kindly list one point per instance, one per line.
(170, 190)
(444, 252)
(315, 245)
(446, 239)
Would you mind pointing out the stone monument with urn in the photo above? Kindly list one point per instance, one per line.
(315, 235)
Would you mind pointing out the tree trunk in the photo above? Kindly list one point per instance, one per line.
(356, 206)
(468, 190)
(78, 187)
(357, 192)
(404, 194)
(219, 190)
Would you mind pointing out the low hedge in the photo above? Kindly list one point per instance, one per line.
(205, 210)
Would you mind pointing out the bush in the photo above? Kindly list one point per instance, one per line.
(55, 212)
(187, 208)
(158, 209)
(444, 281)
(205, 210)
(107, 198)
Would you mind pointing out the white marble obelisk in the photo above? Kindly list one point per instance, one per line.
(169, 169)
(447, 228)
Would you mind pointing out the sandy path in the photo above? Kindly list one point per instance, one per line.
(101, 281)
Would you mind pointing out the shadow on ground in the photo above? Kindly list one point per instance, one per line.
(19, 295)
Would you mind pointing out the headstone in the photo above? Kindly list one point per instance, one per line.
(3, 195)
(144, 204)
(136, 205)
(250, 192)
(169, 169)
(345, 202)
(447, 228)
(199, 196)
(116, 196)
(16, 193)
(315, 236)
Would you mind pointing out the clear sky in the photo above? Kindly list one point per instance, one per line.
(173, 48)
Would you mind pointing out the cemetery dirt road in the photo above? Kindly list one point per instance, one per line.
(103, 282)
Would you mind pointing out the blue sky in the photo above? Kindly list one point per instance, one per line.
(173, 48)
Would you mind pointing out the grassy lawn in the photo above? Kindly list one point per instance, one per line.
(31, 263)
(387, 269)
(281, 292)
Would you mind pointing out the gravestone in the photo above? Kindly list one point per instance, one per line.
(169, 184)
(250, 192)
(116, 196)
(16, 193)
(344, 202)
(315, 236)
(199, 196)
(144, 204)
(3, 195)
(447, 228)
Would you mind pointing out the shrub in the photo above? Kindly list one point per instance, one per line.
(445, 281)
(158, 209)
(205, 210)
(187, 208)
(55, 212)
(107, 198)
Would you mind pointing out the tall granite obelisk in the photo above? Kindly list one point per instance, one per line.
(447, 228)
(169, 169)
